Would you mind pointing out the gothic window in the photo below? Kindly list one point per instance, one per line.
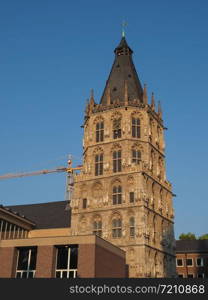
(117, 161)
(26, 263)
(136, 128)
(117, 194)
(98, 164)
(136, 156)
(116, 128)
(84, 203)
(97, 227)
(131, 197)
(132, 227)
(116, 227)
(66, 261)
(100, 131)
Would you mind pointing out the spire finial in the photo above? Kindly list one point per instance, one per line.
(153, 101)
(124, 24)
(145, 98)
(159, 109)
(92, 101)
(92, 93)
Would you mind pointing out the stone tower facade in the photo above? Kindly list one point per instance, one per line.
(122, 193)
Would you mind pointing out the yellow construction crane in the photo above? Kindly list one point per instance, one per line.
(68, 169)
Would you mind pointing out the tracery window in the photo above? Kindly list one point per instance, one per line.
(117, 161)
(116, 227)
(97, 227)
(132, 227)
(117, 194)
(100, 132)
(136, 156)
(99, 164)
(136, 129)
(116, 128)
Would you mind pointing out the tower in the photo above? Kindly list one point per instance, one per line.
(122, 193)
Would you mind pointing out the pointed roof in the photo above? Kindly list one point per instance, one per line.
(122, 71)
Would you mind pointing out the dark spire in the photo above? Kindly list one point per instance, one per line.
(122, 71)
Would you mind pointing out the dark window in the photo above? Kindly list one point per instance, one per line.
(180, 275)
(136, 156)
(189, 262)
(199, 262)
(73, 257)
(62, 258)
(132, 227)
(117, 161)
(131, 197)
(190, 276)
(179, 262)
(97, 228)
(117, 128)
(135, 127)
(116, 228)
(66, 261)
(200, 275)
(98, 164)
(84, 203)
(117, 194)
(100, 132)
(26, 264)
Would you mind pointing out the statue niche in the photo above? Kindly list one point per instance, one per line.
(97, 194)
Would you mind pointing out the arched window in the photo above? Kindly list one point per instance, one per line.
(116, 128)
(116, 227)
(132, 227)
(117, 194)
(97, 227)
(136, 128)
(100, 131)
(117, 161)
(136, 156)
(99, 164)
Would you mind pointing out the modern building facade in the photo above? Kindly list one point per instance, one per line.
(45, 248)
(192, 258)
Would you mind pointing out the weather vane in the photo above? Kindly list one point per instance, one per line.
(124, 24)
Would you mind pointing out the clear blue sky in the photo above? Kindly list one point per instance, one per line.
(53, 52)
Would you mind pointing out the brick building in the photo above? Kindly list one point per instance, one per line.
(45, 248)
(121, 195)
(192, 258)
